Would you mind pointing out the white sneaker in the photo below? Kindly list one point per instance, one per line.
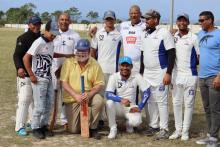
(185, 136)
(129, 129)
(176, 134)
(203, 141)
(113, 133)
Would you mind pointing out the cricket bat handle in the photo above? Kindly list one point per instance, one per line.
(84, 113)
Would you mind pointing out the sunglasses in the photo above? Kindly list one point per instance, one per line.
(202, 20)
(148, 18)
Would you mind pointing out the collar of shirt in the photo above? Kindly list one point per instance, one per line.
(87, 64)
(188, 35)
(130, 77)
(138, 24)
(44, 38)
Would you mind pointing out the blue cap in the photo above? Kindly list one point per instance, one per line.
(125, 59)
(186, 16)
(83, 45)
(52, 27)
(110, 14)
(34, 20)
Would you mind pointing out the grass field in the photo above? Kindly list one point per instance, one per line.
(9, 101)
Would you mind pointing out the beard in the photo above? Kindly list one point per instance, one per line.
(82, 56)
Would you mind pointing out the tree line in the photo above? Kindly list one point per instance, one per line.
(20, 15)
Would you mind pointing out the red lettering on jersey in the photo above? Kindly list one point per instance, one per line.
(131, 40)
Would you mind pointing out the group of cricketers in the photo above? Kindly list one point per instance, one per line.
(154, 60)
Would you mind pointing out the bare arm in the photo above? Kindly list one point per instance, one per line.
(58, 55)
(72, 92)
(96, 89)
(27, 60)
(93, 53)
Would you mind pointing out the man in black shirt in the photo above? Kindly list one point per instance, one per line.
(23, 43)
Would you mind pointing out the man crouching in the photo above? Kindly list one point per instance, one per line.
(121, 95)
(72, 69)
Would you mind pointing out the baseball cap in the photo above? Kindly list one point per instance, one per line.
(110, 14)
(186, 16)
(83, 45)
(34, 19)
(125, 59)
(151, 13)
(52, 27)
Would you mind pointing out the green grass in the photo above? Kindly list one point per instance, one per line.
(8, 106)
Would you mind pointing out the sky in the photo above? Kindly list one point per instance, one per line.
(121, 7)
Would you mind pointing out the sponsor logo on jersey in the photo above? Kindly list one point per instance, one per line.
(131, 32)
(70, 38)
(131, 39)
(114, 39)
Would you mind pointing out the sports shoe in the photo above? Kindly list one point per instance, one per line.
(203, 141)
(37, 133)
(100, 124)
(94, 134)
(176, 134)
(212, 142)
(185, 136)
(46, 131)
(163, 134)
(113, 133)
(151, 131)
(22, 132)
(28, 127)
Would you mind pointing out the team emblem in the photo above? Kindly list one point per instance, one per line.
(119, 84)
(22, 84)
(161, 88)
(191, 92)
(101, 37)
(175, 39)
(146, 34)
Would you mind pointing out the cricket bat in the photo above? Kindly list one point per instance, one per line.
(84, 112)
(54, 113)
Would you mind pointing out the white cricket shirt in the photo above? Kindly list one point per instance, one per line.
(126, 89)
(186, 54)
(64, 44)
(155, 46)
(131, 35)
(108, 46)
(42, 56)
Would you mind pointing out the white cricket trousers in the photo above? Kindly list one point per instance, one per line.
(59, 98)
(115, 109)
(184, 91)
(25, 102)
(158, 107)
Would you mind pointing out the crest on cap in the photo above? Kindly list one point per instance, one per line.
(34, 19)
(186, 16)
(110, 14)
